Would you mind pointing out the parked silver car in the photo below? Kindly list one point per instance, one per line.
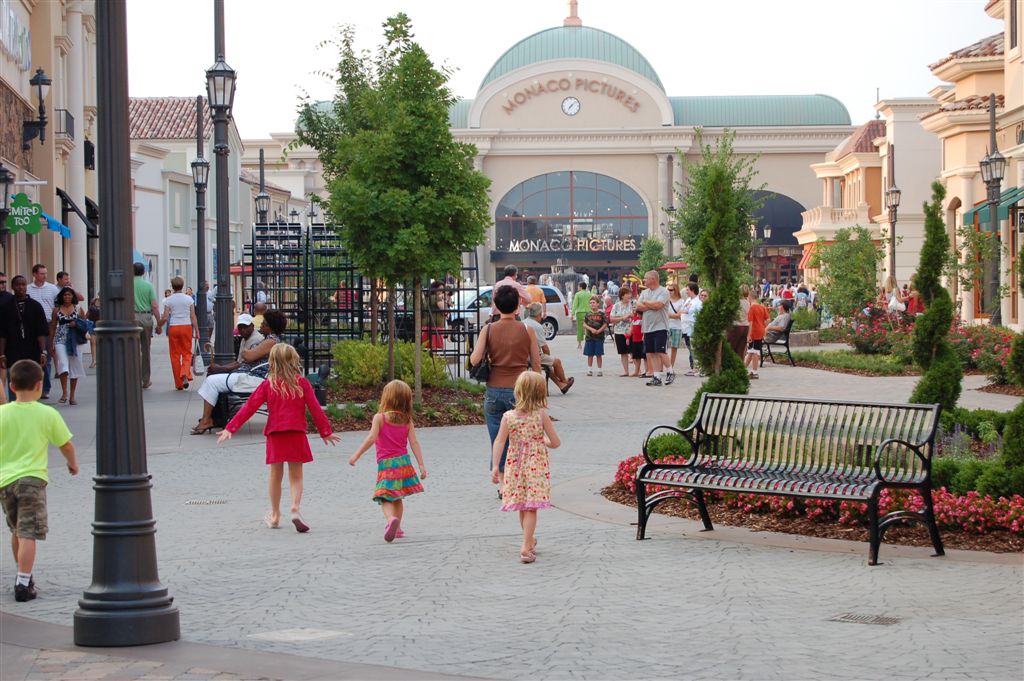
(472, 308)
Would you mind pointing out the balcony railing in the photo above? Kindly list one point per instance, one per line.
(64, 124)
(836, 218)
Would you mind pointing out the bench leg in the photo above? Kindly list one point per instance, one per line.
(874, 534)
(933, 528)
(641, 509)
(792, 362)
(702, 508)
(767, 348)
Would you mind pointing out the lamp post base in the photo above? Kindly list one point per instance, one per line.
(125, 626)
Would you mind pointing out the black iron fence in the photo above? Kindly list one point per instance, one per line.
(305, 272)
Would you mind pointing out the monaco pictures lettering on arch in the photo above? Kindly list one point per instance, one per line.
(582, 145)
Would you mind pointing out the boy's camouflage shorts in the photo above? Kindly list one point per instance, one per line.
(24, 502)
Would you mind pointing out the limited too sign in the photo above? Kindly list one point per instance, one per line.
(24, 215)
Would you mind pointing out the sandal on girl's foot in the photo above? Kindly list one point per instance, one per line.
(269, 521)
(299, 523)
(527, 557)
(72, 402)
(63, 399)
(391, 530)
(399, 534)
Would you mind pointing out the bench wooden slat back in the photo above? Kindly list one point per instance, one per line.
(794, 436)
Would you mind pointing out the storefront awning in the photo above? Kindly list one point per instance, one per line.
(1006, 199)
(808, 254)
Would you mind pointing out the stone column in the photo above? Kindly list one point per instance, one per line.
(483, 255)
(660, 216)
(78, 265)
(678, 185)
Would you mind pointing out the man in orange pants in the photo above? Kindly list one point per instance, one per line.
(180, 312)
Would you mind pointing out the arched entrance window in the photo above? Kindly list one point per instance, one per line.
(569, 204)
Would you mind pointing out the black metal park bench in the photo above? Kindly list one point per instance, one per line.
(781, 342)
(848, 451)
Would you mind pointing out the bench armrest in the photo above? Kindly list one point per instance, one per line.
(687, 435)
(877, 463)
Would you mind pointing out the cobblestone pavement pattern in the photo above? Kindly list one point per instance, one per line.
(452, 597)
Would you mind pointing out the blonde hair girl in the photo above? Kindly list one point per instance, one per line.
(394, 434)
(527, 481)
(287, 395)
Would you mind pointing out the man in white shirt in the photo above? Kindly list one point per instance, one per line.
(44, 293)
(653, 303)
(511, 273)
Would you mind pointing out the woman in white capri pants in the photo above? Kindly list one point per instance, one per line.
(65, 351)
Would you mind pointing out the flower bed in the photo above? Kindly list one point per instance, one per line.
(963, 518)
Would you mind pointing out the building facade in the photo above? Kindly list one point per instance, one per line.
(960, 121)
(57, 171)
(586, 152)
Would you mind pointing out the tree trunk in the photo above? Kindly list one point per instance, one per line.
(391, 333)
(374, 311)
(417, 306)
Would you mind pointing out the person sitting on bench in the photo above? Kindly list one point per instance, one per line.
(777, 326)
(534, 315)
(251, 371)
(251, 339)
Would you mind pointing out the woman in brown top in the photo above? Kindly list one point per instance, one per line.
(511, 347)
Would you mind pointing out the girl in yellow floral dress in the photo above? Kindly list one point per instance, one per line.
(530, 433)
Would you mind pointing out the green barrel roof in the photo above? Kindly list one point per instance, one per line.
(759, 110)
(572, 42)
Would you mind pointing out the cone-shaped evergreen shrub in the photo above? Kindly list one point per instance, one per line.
(942, 371)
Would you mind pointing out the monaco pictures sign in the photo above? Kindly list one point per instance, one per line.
(568, 244)
(576, 86)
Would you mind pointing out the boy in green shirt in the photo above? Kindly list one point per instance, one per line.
(26, 429)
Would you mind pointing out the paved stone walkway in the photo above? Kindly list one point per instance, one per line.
(451, 597)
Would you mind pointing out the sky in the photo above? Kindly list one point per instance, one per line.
(843, 48)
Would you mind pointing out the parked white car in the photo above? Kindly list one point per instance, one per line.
(472, 308)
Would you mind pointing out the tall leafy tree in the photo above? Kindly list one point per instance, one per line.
(848, 269)
(717, 208)
(405, 195)
(942, 371)
(652, 256)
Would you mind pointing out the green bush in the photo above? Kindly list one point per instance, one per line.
(883, 365)
(361, 364)
(972, 421)
(1013, 437)
(1000, 480)
(669, 444)
(806, 319)
(966, 477)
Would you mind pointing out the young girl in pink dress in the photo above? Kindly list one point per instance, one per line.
(530, 433)
(287, 394)
(393, 434)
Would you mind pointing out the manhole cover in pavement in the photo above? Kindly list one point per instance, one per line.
(299, 635)
(866, 619)
(205, 502)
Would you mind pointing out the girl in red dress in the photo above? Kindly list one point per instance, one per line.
(287, 394)
(394, 435)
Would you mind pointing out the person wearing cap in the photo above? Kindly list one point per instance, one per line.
(251, 369)
(247, 326)
(182, 329)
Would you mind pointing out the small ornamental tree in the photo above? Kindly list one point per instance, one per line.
(848, 269)
(932, 352)
(404, 193)
(652, 256)
(717, 208)
(1013, 433)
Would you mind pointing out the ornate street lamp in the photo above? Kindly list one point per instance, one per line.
(993, 170)
(200, 179)
(32, 129)
(263, 198)
(125, 605)
(892, 203)
(6, 179)
(294, 214)
(220, 90)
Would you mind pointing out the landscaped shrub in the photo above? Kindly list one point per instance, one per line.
(943, 372)
(669, 444)
(805, 319)
(972, 420)
(362, 364)
(971, 512)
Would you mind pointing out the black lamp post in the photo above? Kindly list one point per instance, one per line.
(311, 213)
(220, 89)
(6, 179)
(892, 202)
(294, 215)
(126, 604)
(200, 179)
(263, 198)
(32, 129)
(993, 170)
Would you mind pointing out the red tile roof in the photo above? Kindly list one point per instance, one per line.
(253, 178)
(973, 102)
(861, 140)
(166, 118)
(986, 47)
